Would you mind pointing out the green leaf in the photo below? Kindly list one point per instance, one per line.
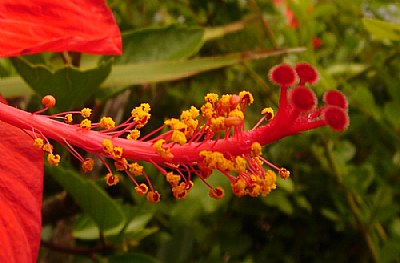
(198, 201)
(391, 112)
(151, 72)
(103, 210)
(279, 200)
(382, 30)
(71, 86)
(132, 257)
(156, 44)
(124, 75)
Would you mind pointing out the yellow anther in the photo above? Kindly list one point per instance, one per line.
(153, 196)
(121, 164)
(107, 123)
(246, 97)
(218, 124)
(256, 149)
(283, 173)
(53, 159)
(86, 124)
(68, 118)
(133, 135)
(141, 114)
(269, 113)
(211, 97)
(173, 179)
(107, 146)
(178, 137)
(180, 191)
(141, 189)
(111, 179)
(217, 193)
(175, 124)
(87, 164)
(216, 160)
(47, 147)
(238, 188)
(38, 143)
(254, 190)
(117, 152)
(136, 169)
(225, 103)
(207, 110)
(240, 164)
(164, 152)
(86, 112)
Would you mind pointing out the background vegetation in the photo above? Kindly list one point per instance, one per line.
(341, 203)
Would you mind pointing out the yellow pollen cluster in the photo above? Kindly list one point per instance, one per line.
(53, 159)
(38, 143)
(163, 152)
(68, 118)
(216, 160)
(268, 113)
(141, 115)
(121, 164)
(256, 149)
(136, 169)
(107, 146)
(86, 124)
(153, 196)
(107, 123)
(87, 165)
(133, 135)
(284, 173)
(211, 97)
(207, 110)
(255, 184)
(246, 96)
(117, 152)
(178, 137)
(111, 179)
(141, 189)
(86, 112)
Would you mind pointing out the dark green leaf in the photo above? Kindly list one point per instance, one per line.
(161, 44)
(71, 86)
(103, 210)
(132, 257)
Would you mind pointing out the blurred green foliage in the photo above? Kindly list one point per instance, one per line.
(341, 203)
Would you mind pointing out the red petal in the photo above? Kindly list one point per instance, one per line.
(21, 187)
(34, 26)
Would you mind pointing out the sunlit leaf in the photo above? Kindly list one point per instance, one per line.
(21, 186)
(382, 30)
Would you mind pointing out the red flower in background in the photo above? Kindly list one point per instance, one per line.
(34, 26)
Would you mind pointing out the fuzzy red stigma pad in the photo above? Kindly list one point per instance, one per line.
(306, 73)
(303, 99)
(336, 98)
